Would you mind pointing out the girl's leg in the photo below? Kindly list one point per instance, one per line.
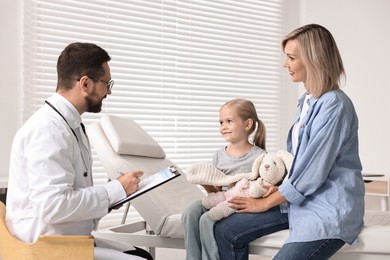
(190, 222)
(313, 250)
(207, 238)
(234, 233)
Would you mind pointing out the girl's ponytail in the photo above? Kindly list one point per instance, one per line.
(259, 137)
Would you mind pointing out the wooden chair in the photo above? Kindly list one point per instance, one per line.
(47, 247)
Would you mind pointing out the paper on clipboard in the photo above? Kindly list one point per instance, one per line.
(151, 182)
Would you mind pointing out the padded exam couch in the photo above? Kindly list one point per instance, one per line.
(122, 145)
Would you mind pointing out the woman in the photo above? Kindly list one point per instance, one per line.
(321, 200)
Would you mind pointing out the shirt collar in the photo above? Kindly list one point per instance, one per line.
(312, 100)
(67, 109)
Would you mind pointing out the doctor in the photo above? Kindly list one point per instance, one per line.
(50, 190)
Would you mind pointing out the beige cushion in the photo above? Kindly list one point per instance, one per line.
(128, 138)
(373, 238)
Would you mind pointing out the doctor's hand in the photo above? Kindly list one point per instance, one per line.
(130, 181)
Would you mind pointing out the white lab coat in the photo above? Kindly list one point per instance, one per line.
(48, 192)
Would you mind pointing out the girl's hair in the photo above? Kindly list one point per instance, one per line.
(320, 56)
(246, 110)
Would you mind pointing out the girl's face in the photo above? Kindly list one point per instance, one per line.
(231, 126)
(293, 62)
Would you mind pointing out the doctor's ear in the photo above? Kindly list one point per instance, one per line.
(84, 81)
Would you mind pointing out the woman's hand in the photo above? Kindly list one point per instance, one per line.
(248, 204)
(271, 189)
(253, 205)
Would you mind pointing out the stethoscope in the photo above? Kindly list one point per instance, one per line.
(85, 174)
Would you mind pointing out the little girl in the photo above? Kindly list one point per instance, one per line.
(238, 119)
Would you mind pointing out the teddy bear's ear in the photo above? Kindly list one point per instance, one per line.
(256, 164)
(286, 157)
(284, 175)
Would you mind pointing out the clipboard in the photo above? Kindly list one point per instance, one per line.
(153, 181)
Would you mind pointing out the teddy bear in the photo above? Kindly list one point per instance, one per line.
(268, 169)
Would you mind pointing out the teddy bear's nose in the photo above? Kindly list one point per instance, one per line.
(266, 166)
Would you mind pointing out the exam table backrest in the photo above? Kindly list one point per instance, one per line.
(122, 145)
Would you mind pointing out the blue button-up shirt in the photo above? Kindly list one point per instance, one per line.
(325, 188)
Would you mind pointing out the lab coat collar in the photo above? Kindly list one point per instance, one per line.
(67, 109)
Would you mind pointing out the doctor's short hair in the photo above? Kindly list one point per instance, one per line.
(78, 60)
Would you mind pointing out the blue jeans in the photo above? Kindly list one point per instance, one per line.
(234, 233)
(314, 250)
(199, 237)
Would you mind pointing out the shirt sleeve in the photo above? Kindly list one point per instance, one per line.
(320, 144)
(115, 191)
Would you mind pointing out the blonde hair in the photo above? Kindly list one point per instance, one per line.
(320, 56)
(246, 110)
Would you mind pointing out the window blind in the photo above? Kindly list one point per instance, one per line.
(174, 62)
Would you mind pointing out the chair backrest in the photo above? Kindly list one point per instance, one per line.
(122, 145)
(47, 247)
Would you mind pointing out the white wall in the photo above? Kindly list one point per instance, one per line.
(10, 76)
(360, 28)
(290, 90)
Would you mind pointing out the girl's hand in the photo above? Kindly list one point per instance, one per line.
(211, 188)
(248, 204)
